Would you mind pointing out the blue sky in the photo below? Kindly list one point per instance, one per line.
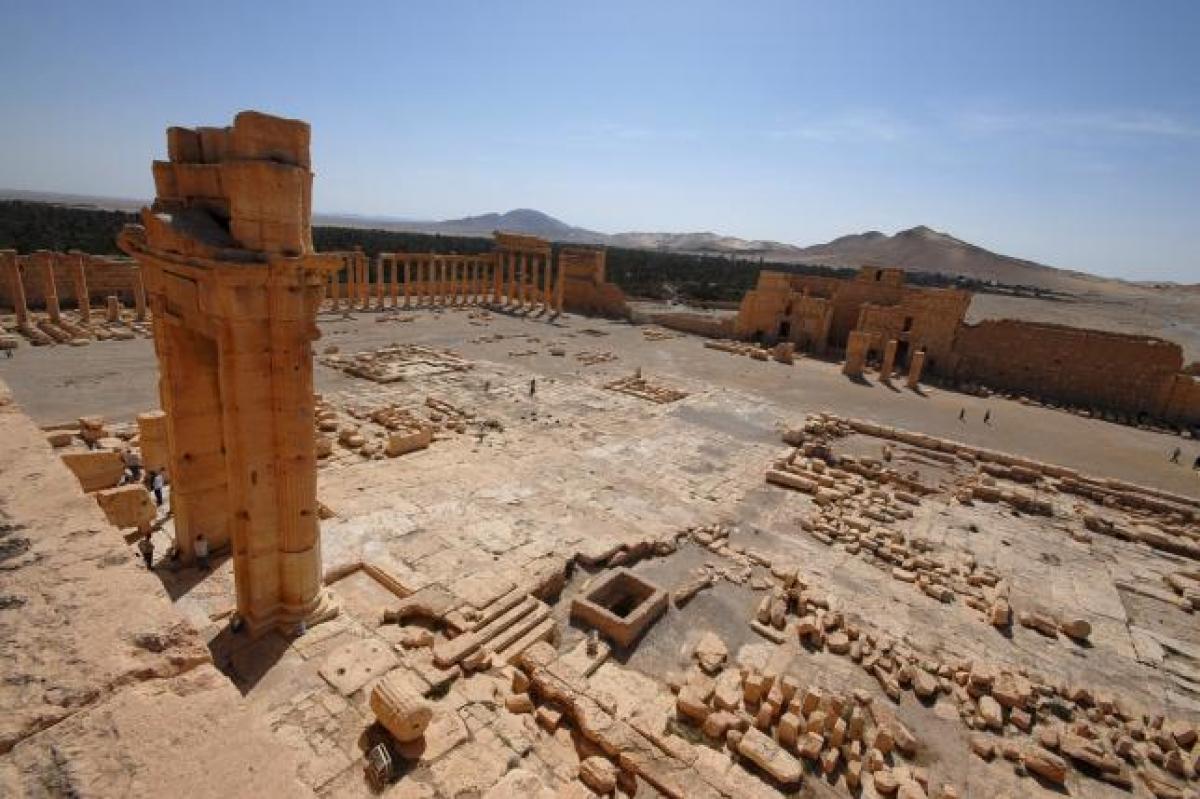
(1065, 132)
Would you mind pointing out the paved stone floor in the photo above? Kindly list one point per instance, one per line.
(572, 477)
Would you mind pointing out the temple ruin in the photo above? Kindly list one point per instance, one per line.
(555, 552)
(876, 317)
(226, 253)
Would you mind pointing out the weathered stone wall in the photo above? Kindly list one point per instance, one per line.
(1088, 368)
(1183, 400)
(584, 288)
(926, 319)
(820, 312)
(697, 324)
(105, 276)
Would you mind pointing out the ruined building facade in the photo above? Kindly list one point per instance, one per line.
(875, 316)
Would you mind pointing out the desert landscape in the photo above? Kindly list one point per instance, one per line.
(277, 521)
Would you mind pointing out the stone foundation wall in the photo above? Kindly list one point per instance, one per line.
(697, 324)
(1088, 368)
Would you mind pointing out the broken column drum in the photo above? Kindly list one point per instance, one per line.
(234, 286)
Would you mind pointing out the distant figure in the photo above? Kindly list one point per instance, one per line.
(987, 416)
(1175, 455)
(133, 464)
(1196, 465)
(201, 548)
(532, 387)
(156, 482)
(962, 415)
(146, 547)
(8, 353)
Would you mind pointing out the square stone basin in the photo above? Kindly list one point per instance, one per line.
(621, 605)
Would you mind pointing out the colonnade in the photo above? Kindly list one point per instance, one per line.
(47, 267)
(523, 281)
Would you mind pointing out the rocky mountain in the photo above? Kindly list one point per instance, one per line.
(922, 249)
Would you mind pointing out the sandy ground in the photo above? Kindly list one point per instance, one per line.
(563, 478)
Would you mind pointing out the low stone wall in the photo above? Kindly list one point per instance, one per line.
(708, 325)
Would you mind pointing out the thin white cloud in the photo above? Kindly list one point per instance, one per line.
(1118, 123)
(862, 125)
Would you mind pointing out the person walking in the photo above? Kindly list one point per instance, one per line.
(200, 547)
(146, 547)
(1175, 455)
(533, 387)
(987, 416)
(962, 415)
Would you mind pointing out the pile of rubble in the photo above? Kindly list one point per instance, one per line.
(1042, 726)
(657, 334)
(592, 358)
(771, 720)
(397, 362)
(637, 386)
(783, 352)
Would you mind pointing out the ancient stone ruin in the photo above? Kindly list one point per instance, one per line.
(567, 555)
(226, 253)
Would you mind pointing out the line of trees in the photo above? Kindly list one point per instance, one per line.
(708, 278)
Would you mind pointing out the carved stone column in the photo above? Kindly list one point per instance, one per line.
(889, 360)
(76, 264)
(915, 366)
(13, 273)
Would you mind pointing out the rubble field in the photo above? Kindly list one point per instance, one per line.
(579, 558)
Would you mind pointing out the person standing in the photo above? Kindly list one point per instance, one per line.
(146, 547)
(987, 416)
(962, 414)
(156, 485)
(133, 464)
(200, 547)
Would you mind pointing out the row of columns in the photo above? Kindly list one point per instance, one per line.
(43, 262)
(517, 280)
(858, 345)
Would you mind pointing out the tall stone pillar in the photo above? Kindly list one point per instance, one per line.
(547, 296)
(12, 271)
(45, 260)
(83, 300)
(112, 309)
(889, 360)
(393, 282)
(364, 279)
(856, 353)
(139, 297)
(510, 272)
(916, 365)
(407, 282)
(335, 290)
(534, 279)
(377, 287)
(558, 288)
(234, 321)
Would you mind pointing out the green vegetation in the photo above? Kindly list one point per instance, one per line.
(28, 226)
